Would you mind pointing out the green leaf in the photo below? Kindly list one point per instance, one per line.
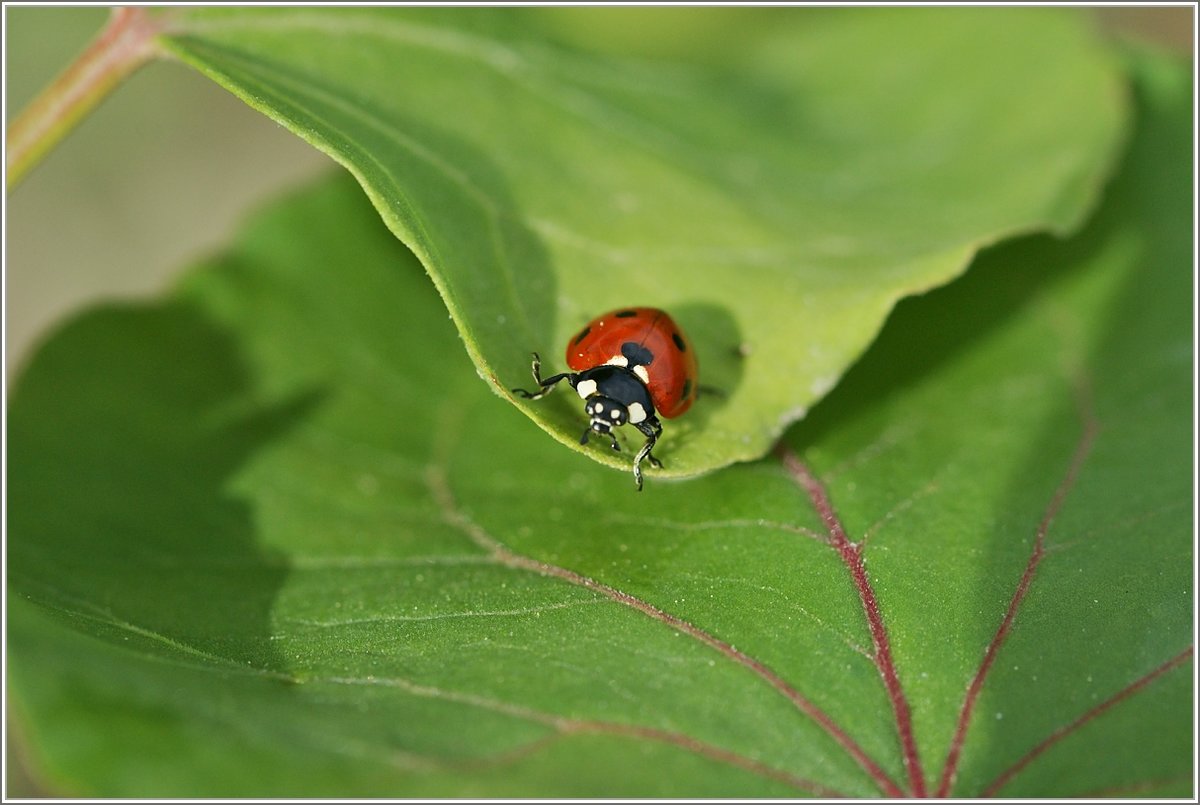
(777, 198)
(1047, 392)
(270, 537)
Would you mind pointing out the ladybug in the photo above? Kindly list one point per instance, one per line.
(631, 366)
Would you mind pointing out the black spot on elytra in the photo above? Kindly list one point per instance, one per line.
(626, 314)
(636, 354)
(687, 388)
(679, 342)
(582, 335)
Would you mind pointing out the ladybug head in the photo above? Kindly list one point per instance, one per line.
(606, 414)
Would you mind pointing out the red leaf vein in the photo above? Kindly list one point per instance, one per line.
(1082, 448)
(504, 556)
(852, 557)
(1064, 731)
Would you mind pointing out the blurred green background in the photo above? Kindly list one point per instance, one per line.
(158, 176)
(161, 174)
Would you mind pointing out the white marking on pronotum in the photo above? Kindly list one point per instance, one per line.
(617, 360)
(636, 413)
(586, 388)
(615, 413)
(641, 372)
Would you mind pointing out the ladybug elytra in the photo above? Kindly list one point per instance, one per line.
(630, 366)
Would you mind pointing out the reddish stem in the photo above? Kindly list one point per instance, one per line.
(126, 43)
(852, 557)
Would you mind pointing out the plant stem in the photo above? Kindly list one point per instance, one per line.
(126, 43)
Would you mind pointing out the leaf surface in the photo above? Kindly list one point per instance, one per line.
(777, 193)
(270, 537)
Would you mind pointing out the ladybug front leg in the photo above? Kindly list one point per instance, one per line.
(652, 429)
(612, 437)
(544, 386)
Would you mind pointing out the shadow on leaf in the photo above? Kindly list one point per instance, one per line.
(125, 433)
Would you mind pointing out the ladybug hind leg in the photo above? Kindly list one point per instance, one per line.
(544, 386)
(652, 429)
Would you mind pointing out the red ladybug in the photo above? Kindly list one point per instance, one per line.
(630, 364)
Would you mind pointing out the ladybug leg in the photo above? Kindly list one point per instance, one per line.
(544, 386)
(651, 427)
(588, 432)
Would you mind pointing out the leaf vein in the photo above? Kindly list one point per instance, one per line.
(496, 613)
(565, 726)
(1090, 428)
(440, 490)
